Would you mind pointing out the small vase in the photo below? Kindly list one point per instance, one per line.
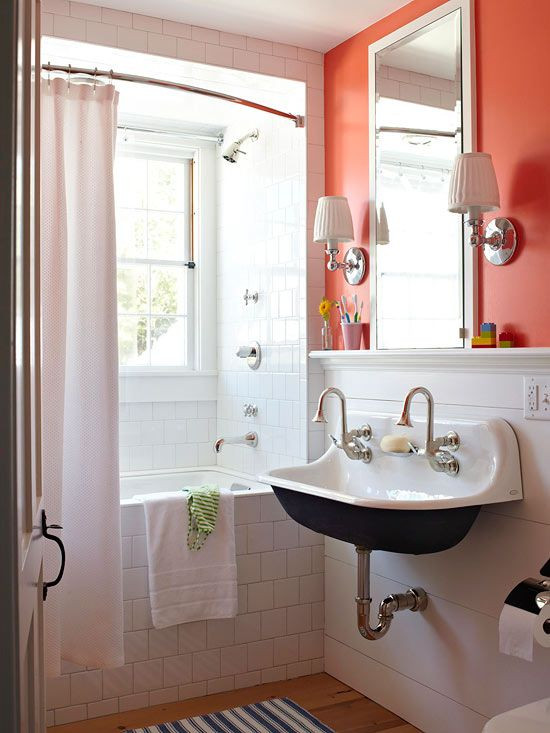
(326, 337)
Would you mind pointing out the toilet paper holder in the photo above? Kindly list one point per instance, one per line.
(533, 594)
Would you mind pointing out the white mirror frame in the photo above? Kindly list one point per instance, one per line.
(469, 143)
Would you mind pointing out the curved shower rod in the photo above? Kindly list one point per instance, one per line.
(297, 119)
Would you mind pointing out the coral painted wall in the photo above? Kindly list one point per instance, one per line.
(513, 110)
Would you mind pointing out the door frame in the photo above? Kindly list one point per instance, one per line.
(9, 579)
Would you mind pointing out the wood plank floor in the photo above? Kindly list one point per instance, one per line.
(334, 703)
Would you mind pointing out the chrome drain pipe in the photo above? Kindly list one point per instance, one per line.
(414, 599)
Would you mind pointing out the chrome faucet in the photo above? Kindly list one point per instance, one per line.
(250, 439)
(440, 460)
(351, 441)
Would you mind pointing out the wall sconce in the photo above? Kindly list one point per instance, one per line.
(333, 224)
(473, 189)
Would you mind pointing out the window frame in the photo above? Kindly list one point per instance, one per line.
(201, 280)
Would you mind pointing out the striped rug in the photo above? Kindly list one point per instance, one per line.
(279, 715)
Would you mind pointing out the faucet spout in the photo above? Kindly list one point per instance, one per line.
(250, 439)
(320, 415)
(405, 419)
(351, 440)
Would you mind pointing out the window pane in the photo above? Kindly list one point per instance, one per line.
(132, 341)
(130, 232)
(168, 341)
(133, 288)
(131, 182)
(167, 236)
(167, 185)
(168, 290)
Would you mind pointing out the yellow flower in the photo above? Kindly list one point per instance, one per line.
(325, 307)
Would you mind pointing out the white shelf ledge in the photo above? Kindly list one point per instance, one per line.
(524, 360)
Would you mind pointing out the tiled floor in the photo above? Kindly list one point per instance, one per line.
(333, 702)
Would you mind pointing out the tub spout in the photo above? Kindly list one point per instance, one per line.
(250, 439)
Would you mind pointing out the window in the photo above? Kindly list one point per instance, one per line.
(154, 220)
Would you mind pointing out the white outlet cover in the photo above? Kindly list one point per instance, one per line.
(536, 398)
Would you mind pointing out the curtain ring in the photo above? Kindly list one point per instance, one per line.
(69, 80)
(111, 77)
(49, 75)
(95, 78)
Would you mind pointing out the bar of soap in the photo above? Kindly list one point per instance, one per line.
(395, 444)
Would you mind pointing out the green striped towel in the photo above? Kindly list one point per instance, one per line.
(202, 506)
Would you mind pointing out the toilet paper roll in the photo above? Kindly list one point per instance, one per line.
(542, 627)
(519, 628)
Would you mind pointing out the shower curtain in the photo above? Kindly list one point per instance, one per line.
(83, 615)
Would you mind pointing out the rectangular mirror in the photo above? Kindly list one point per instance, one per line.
(421, 118)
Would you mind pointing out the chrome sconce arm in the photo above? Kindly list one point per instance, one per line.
(499, 241)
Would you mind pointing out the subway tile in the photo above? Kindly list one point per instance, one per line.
(164, 456)
(241, 535)
(206, 665)
(141, 411)
(197, 430)
(192, 636)
(147, 23)
(132, 39)
(136, 646)
(248, 628)
(295, 70)
(259, 45)
(312, 588)
(298, 669)
(102, 707)
(249, 568)
(129, 433)
(134, 583)
(260, 596)
(311, 645)
(141, 614)
(175, 431)
(260, 537)
(242, 598)
(141, 457)
(317, 665)
(260, 655)
(164, 411)
(163, 642)
(206, 35)
(311, 57)
(274, 623)
(173, 28)
(178, 670)
(118, 681)
(88, 12)
(46, 28)
(274, 674)
(86, 687)
(187, 692)
(273, 565)
(247, 680)
(318, 558)
(247, 60)
(286, 650)
(299, 561)
(220, 632)
(247, 509)
(271, 509)
(70, 714)
(148, 675)
(299, 619)
(58, 691)
(50, 718)
(272, 65)
(139, 551)
(284, 50)
(186, 455)
(206, 408)
(127, 552)
(308, 538)
(286, 592)
(219, 55)
(116, 17)
(133, 702)
(233, 40)
(164, 696)
(101, 33)
(127, 624)
(318, 615)
(285, 534)
(60, 7)
(234, 660)
(71, 28)
(221, 684)
(161, 44)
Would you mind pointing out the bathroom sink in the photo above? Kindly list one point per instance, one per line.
(400, 504)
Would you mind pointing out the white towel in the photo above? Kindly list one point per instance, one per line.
(189, 585)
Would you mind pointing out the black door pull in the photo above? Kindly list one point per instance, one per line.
(58, 541)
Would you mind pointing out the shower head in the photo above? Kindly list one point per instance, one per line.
(232, 152)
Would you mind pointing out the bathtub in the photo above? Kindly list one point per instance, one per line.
(133, 484)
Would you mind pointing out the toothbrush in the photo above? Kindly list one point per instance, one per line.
(345, 302)
(360, 312)
(340, 312)
(355, 312)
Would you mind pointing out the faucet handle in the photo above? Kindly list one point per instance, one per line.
(451, 441)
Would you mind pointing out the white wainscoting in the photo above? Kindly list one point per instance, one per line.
(442, 670)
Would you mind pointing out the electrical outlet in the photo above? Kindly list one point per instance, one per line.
(536, 398)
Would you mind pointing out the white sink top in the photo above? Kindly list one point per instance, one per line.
(532, 718)
(488, 457)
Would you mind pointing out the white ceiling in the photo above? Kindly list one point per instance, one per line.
(314, 24)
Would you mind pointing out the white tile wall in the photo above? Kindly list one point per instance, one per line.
(278, 633)
(155, 435)
(409, 86)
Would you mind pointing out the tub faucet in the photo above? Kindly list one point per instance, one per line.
(350, 441)
(250, 439)
(440, 460)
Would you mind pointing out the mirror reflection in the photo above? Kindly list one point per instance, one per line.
(419, 252)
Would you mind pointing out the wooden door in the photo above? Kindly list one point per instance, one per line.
(20, 421)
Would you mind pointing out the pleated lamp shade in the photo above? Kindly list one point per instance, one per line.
(333, 220)
(473, 187)
(382, 230)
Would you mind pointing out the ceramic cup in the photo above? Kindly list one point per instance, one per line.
(352, 333)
